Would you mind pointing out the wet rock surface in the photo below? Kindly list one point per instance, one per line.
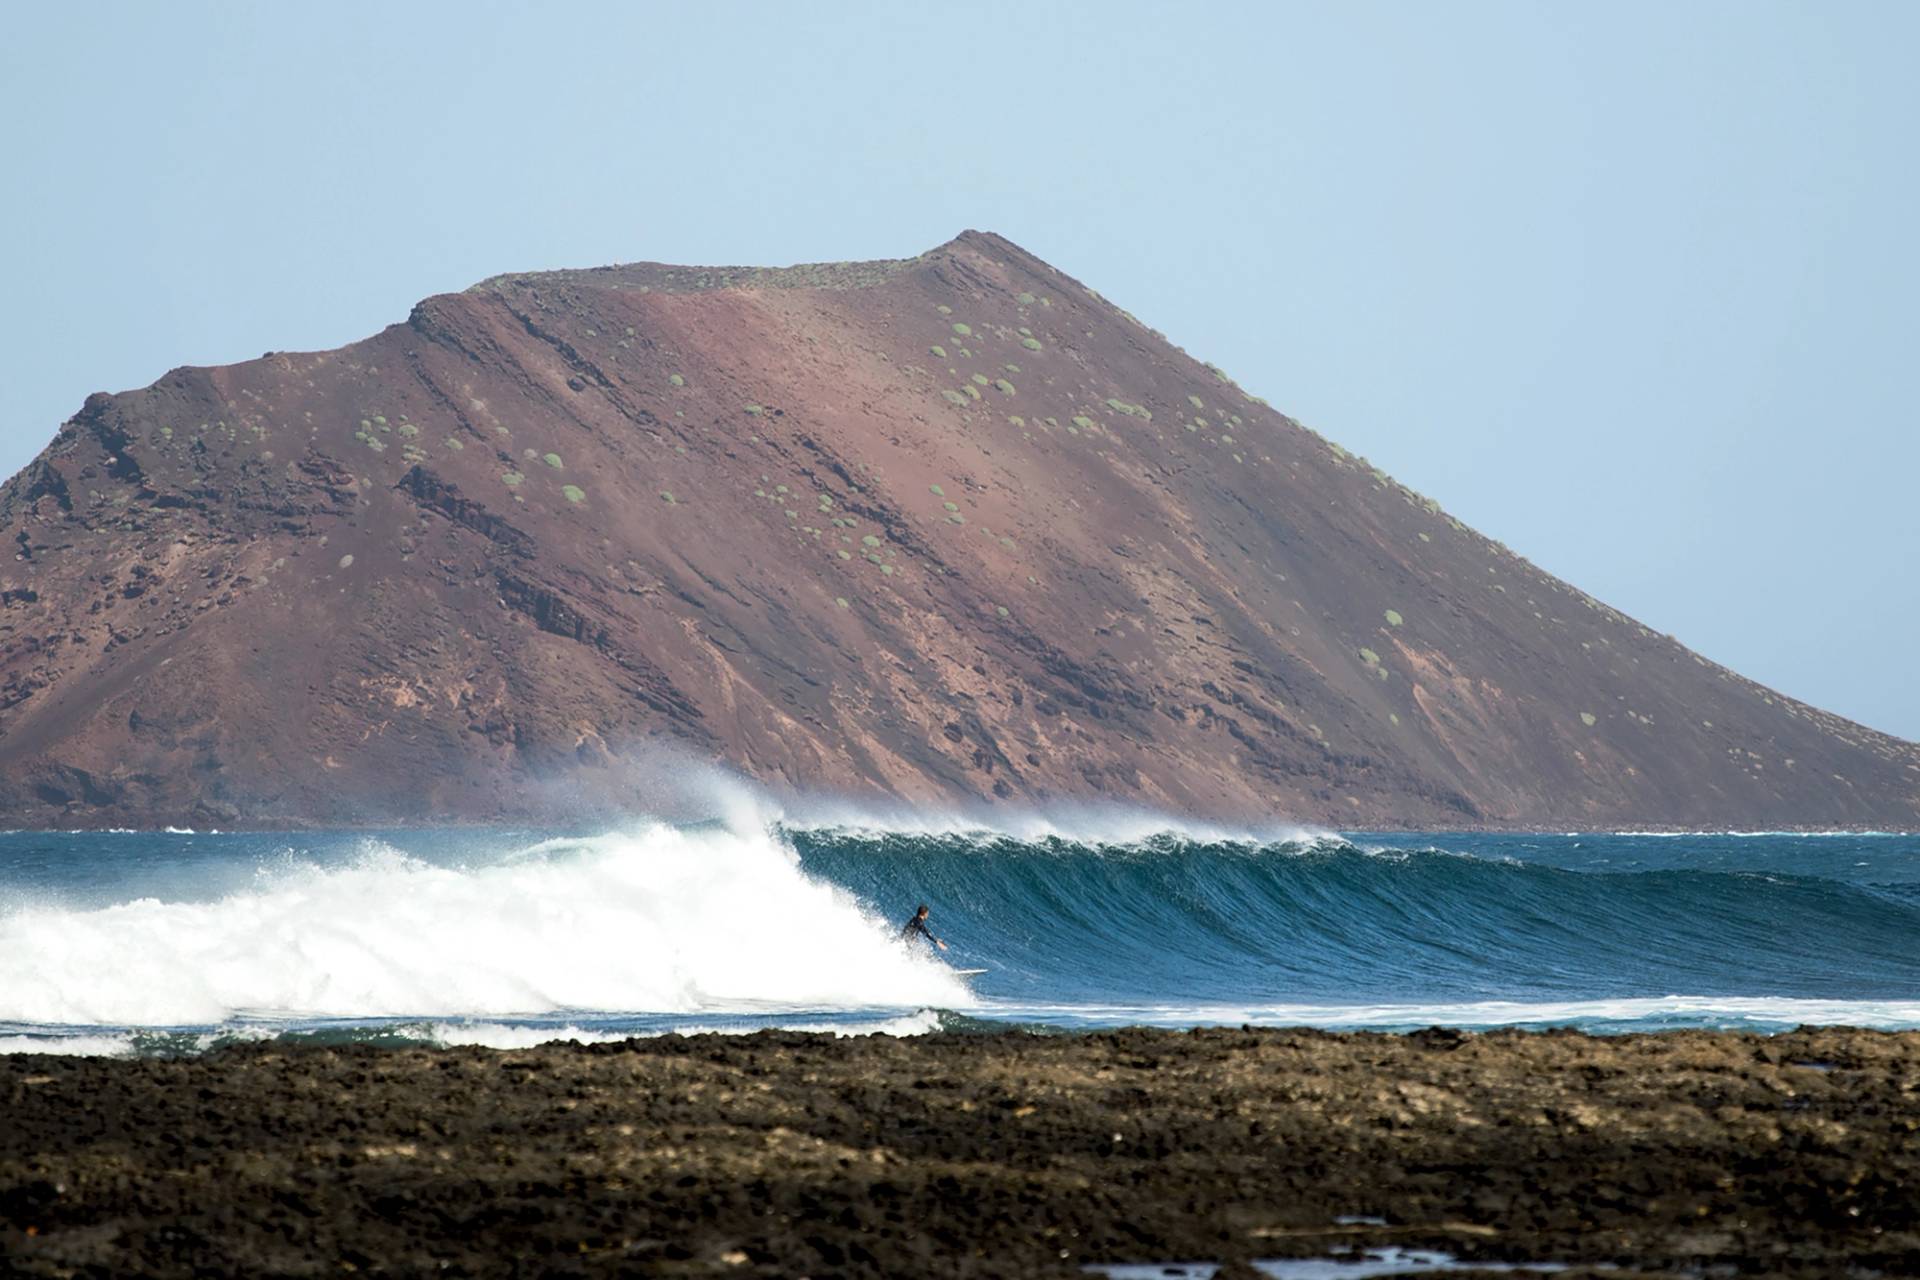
(1007, 1154)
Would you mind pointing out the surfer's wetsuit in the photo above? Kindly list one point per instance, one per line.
(918, 925)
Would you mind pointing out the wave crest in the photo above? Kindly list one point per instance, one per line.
(659, 918)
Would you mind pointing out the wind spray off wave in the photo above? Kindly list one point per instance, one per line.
(662, 919)
(180, 943)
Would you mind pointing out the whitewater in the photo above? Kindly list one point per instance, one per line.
(165, 942)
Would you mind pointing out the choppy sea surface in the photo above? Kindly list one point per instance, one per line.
(170, 942)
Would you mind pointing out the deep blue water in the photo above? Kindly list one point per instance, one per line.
(155, 942)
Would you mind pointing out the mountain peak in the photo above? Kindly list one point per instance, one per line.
(660, 277)
(946, 529)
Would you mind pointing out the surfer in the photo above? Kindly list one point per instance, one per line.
(918, 925)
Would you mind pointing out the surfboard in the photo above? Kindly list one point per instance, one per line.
(967, 973)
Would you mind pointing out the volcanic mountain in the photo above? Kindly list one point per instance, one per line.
(951, 530)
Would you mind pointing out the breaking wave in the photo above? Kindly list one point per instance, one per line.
(659, 919)
(150, 942)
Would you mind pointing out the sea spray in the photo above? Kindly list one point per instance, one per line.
(776, 916)
(659, 918)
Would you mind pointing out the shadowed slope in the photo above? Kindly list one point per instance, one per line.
(945, 529)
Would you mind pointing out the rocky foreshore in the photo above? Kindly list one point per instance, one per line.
(1682, 1153)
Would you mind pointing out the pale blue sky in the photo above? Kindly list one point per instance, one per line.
(1631, 288)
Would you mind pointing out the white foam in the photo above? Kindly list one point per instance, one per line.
(658, 919)
(487, 1035)
(683, 788)
(1761, 835)
(96, 1046)
(1089, 827)
(493, 1035)
(911, 1024)
(1734, 1012)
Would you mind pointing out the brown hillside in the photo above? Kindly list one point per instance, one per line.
(944, 529)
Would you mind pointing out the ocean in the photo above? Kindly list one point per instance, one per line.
(178, 941)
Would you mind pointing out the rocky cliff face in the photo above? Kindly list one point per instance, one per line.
(944, 529)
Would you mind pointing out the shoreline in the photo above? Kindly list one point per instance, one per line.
(1600, 1018)
(785, 1153)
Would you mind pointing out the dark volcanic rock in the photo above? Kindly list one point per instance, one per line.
(1684, 1154)
(945, 529)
